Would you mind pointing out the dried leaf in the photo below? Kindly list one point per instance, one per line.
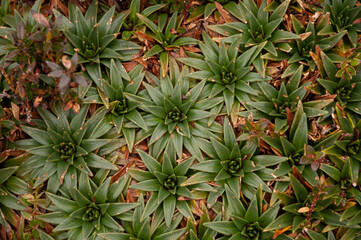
(15, 110)
(66, 62)
(38, 100)
(41, 19)
(280, 231)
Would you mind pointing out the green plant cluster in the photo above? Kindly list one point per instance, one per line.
(219, 119)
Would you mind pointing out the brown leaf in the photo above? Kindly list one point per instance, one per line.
(305, 35)
(226, 16)
(145, 36)
(41, 19)
(66, 62)
(22, 92)
(69, 105)
(280, 231)
(122, 171)
(38, 100)
(76, 107)
(15, 110)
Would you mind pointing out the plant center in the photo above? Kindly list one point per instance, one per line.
(66, 150)
(295, 158)
(345, 183)
(119, 107)
(90, 50)
(227, 76)
(282, 108)
(234, 166)
(353, 147)
(175, 114)
(170, 182)
(92, 213)
(252, 231)
(343, 94)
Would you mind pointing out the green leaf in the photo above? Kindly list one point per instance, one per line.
(100, 195)
(38, 135)
(168, 207)
(147, 185)
(63, 203)
(199, 177)
(151, 164)
(226, 228)
(148, 22)
(282, 221)
(175, 234)
(222, 151)
(153, 51)
(299, 190)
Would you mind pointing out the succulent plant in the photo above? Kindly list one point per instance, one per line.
(245, 222)
(89, 209)
(312, 35)
(343, 13)
(345, 153)
(95, 40)
(234, 165)
(65, 144)
(198, 231)
(278, 105)
(165, 180)
(178, 113)
(10, 187)
(227, 71)
(257, 28)
(122, 112)
(304, 157)
(146, 229)
(209, 7)
(132, 22)
(345, 90)
(166, 38)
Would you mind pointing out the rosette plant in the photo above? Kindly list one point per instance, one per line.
(345, 153)
(257, 27)
(198, 231)
(147, 229)
(312, 35)
(165, 181)
(10, 189)
(122, 112)
(88, 209)
(165, 38)
(346, 91)
(343, 14)
(234, 165)
(95, 40)
(295, 147)
(178, 113)
(64, 144)
(211, 6)
(132, 22)
(245, 222)
(228, 72)
(276, 105)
